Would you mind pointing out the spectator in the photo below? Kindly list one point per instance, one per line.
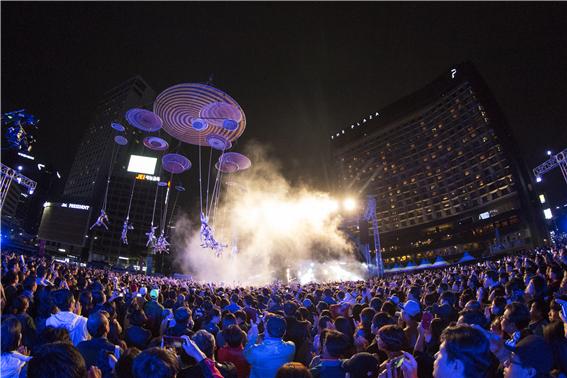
(464, 353)
(66, 318)
(59, 360)
(293, 370)
(268, 356)
(233, 351)
(12, 360)
(154, 310)
(531, 357)
(515, 322)
(206, 343)
(20, 307)
(123, 368)
(137, 335)
(155, 363)
(297, 331)
(361, 365)
(335, 347)
(98, 327)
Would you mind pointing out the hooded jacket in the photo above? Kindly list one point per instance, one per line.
(75, 324)
(11, 364)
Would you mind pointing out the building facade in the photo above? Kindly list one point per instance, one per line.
(87, 181)
(444, 169)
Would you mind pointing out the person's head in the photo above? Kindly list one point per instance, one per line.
(154, 294)
(52, 335)
(29, 284)
(57, 360)
(325, 322)
(63, 299)
(123, 368)
(389, 307)
(11, 334)
(531, 358)
(11, 278)
(182, 315)
(498, 305)
(379, 320)
(538, 310)
(366, 317)
(491, 278)
(516, 317)
(276, 326)
(155, 363)
(138, 317)
(361, 365)
(464, 353)
(98, 297)
(98, 324)
(536, 287)
(410, 312)
(289, 308)
(233, 335)
(335, 345)
(344, 325)
(205, 341)
(293, 370)
(215, 316)
(20, 305)
(391, 338)
(472, 317)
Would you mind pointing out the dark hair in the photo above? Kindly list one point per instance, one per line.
(289, 308)
(393, 337)
(57, 360)
(228, 319)
(20, 304)
(97, 324)
(519, 315)
(376, 303)
(493, 275)
(233, 335)
(11, 334)
(474, 317)
(205, 341)
(389, 307)
(293, 370)
(322, 323)
(29, 283)
(366, 316)
(52, 334)
(276, 325)
(62, 299)
(155, 363)
(138, 318)
(336, 343)
(10, 277)
(470, 347)
(123, 368)
(381, 319)
(345, 326)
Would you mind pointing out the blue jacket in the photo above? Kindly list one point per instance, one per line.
(267, 357)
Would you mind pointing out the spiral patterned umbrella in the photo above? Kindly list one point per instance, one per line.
(144, 120)
(175, 163)
(190, 112)
(218, 142)
(230, 162)
(156, 143)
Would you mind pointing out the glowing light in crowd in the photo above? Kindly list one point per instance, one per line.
(349, 204)
(538, 179)
(547, 213)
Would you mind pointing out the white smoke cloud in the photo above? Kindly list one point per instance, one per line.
(275, 226)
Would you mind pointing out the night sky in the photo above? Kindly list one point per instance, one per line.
(299, 70)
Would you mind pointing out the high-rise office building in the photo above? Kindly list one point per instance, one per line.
(444, 170)
(87, 180)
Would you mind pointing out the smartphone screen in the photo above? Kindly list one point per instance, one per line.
(172, 342)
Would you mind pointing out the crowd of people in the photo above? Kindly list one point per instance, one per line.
(504, 317)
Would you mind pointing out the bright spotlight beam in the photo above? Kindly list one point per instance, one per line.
(349, 204)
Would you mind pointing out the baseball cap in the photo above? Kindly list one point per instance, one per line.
(154, 293)
(535, 353)
(411, 308)
(362, 365)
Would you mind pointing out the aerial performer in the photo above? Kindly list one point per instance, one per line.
(205, 116)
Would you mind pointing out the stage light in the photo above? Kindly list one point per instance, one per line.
(547, 213)
(538, 179)
(20, 167)
(349, 204)
(548, 152)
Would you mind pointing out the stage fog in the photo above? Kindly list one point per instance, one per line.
(273, 226)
